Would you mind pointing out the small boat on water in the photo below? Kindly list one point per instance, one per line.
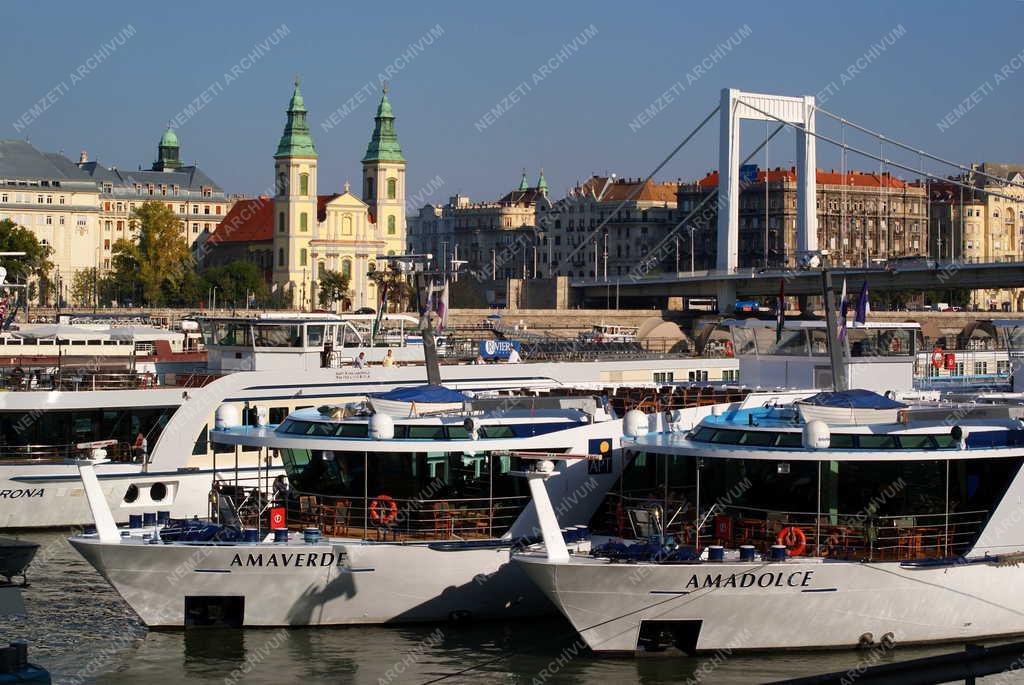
(15, 556)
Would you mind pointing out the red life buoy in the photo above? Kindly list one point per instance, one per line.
(728, 348)
(383, 510)
(794, 540)
(937, 358)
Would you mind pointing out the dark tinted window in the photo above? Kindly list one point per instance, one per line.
(497, 432)
(759, 438)
(877, 441)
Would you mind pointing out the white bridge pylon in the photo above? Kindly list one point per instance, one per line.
(798, 111)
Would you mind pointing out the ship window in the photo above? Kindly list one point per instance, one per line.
(790, 440)
(352, 430)
(842, 441)
(426, 432)
(497, 432)
(704, 434)
(759, 438)
(916, 442)
(457, 433)
(314, 336)
(876, 441)
(728, 437)
(944, 441)
(278, 335)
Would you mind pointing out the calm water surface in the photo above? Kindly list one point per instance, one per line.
(81, 630)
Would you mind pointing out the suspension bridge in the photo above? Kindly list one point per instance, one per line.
(729, 281)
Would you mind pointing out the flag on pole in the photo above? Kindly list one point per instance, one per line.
(442, 309)
(844, 309)
(780, 311)
(863, 307)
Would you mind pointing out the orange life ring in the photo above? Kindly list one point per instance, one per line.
(794, 540)
(937, 358)
(383, 510)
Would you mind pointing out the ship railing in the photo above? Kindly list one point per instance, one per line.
(857, 536)
(121, 452)
(379, 518)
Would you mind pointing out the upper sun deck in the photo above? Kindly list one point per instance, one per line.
(778, 431)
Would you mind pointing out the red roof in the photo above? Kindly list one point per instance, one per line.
(621, 188)
(853, 178)
(252, 221)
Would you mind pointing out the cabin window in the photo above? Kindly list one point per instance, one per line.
(278, 335)
(314, 336)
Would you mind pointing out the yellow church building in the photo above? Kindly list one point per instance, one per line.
(298, 235)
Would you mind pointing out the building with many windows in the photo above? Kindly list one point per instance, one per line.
(640, 214)
(49, 195)
(482, 232)
(196, 200)
(981, 223)
(862, 217)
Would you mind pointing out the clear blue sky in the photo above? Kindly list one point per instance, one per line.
(573, 121)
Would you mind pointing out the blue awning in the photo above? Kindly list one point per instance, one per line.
(422, 393)
(855, 399)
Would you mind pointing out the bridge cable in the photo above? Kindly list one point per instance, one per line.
(890, 162)
(710, 196)
(636, 191)
(897, 143)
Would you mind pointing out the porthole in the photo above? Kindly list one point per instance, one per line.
(132, 493)
(157, 492)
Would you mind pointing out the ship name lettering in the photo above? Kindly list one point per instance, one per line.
(286, 560)
(24, 492)
(747, 580)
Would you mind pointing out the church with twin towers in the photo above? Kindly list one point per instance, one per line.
(342, 231)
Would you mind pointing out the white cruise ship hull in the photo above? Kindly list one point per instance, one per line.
(51, 495)
(337, 582)
(796, 604)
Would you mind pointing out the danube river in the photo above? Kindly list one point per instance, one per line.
(82, 632)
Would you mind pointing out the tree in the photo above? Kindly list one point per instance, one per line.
(123, 283)
(333, 287)
(84, 284)
(35, 263)
(162, 253)
(235, 282)
(397, 290)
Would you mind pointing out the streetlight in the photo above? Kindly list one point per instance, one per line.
(692, 229)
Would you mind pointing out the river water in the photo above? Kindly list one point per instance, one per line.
(82, 632)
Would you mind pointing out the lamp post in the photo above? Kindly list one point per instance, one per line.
(692, 229)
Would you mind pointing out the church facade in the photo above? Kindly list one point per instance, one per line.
(300, 234)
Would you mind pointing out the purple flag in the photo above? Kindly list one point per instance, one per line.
(861, 315)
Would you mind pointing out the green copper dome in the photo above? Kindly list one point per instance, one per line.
(523, 183)
(542, 184)
(296, 141)
(384, 145)
(169, 139)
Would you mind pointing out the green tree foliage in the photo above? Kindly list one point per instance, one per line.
(235, 282)
(83, 285)
(122, 284)
(400, 292)
(333, 287)
(162, 254)
(36, 262)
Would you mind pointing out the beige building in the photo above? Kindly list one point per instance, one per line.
(481, 233)
(196, 200)
(861, 217)
(566, 237)
(47, 194)
(976, 225)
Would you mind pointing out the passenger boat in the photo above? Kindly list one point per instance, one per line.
(759, 529)
(265, 366)
(401, 519)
